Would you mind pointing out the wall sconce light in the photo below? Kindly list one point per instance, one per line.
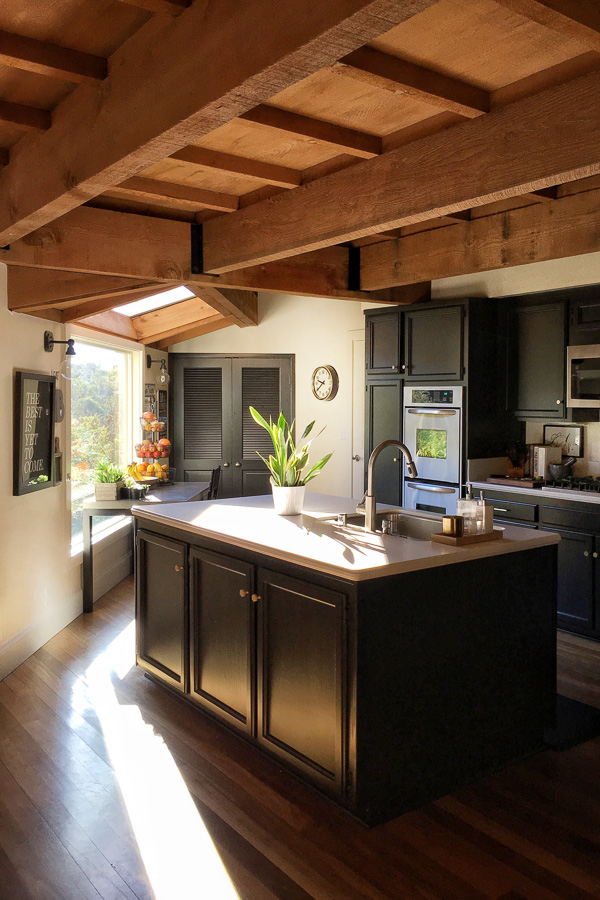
(163, 378)
(49, 343)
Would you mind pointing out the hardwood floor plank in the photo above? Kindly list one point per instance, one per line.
(530, 832)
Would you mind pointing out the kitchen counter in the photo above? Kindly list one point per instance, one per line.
(383, 671)
(310, 540)
(540, 493)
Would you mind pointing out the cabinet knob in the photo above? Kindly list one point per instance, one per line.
(356, 457)
(178, 568)
(255, 598)
(586, 553)
(244, 593)
(595, 555)
(225, 465)
(393, 367)
(558, 402)
(237, 465)
(403, 367)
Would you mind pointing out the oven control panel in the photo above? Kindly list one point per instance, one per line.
(434, 396)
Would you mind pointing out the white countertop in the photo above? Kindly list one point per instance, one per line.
(540, 493)
(308, 540)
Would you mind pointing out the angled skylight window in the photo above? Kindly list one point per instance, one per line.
(157, 301)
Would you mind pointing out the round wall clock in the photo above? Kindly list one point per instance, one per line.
(325, 383)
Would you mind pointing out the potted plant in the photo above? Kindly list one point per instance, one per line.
(109, 480)
(287, 464)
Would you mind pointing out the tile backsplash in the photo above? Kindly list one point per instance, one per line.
(589, 464)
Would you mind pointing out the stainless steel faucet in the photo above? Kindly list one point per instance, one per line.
(369, 503)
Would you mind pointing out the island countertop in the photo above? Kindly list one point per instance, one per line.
(311, 540)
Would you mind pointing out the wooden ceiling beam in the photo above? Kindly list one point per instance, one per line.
(578, 20)
(343, 140)
(29, 118)
(281, 176)
(50, 60)
(159, 324)
(182, 196)
(145, 249)
(30, 288)
(142, 115)
(242, 305)
(400, 76)
(171, 7)
(215, 323)
(524, 147)
(568, 227)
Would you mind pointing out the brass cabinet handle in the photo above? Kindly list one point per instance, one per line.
(586, 553)
(225, 465)
(178, 568)
(244, 593)
(595, 555)
(237, 465)
(255, 598)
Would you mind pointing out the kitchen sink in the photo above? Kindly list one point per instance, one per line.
(415, 528)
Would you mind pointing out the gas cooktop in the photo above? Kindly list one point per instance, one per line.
(585, 483)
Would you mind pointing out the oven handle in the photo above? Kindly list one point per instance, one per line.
(431, 412)
(429, 490)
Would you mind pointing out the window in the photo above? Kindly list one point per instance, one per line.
(104, 398)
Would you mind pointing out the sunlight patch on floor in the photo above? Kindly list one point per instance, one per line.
(180, 858)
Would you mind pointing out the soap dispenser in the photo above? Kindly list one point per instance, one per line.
(467, 508)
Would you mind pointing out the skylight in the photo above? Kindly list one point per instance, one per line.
(157, 301)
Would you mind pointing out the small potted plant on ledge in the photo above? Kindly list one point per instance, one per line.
(517, 452)
(109, 480)
(288, 463)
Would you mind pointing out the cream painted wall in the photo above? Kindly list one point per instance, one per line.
(318, 332)
(40, 582)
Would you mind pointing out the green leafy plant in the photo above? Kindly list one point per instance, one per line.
(288, 461)
(108, 473)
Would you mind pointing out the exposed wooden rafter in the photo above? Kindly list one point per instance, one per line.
(171, 7)
(169, 321)
(26, 117)
(30, 288)
(86, 308)
(568, 227)
(42, 58)
(238, 165)
(111, 323)
(241, 305)
(207, 326)
(524, 147)
(181, 196)
(404, 77)
(145, 116)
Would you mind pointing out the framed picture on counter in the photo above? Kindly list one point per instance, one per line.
(33, 432)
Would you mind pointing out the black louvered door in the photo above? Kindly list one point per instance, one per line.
(212, 423)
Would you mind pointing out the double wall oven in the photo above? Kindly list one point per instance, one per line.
(433, 432)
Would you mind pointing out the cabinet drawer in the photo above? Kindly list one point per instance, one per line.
(570, 518)
(509, 509)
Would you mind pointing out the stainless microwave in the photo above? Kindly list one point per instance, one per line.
(583, 375)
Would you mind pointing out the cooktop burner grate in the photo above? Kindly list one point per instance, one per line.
(584, 483)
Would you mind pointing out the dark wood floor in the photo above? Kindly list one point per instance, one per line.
(92, 804)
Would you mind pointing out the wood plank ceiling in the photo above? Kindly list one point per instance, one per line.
(353, 149)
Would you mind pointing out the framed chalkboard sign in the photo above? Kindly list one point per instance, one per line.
(33, 432)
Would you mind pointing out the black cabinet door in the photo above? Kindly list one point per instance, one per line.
(301, 674)
(434, 343)
(584, 316)
(222, 637)
(383, 420)
(576, 565)
(212, 422)
(538, 360)
(161, 614)
(383, 341)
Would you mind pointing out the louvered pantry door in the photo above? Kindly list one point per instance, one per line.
(266, 384)
(212, 422)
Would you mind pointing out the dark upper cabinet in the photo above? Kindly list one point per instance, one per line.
(222, 636)
(434, 343)
(383, 341)
(162, 610)
(301, 675)
(536, 359)
(584, 316)
(383, 420)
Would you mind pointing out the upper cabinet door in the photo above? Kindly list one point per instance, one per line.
(435, 343)
(383, 342)
(538, 360)
(584, 317)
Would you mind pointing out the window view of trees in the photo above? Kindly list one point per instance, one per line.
(98, 427)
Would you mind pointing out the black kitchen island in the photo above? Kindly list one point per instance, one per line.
(384, 671)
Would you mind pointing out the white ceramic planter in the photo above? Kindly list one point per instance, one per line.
(288, 501)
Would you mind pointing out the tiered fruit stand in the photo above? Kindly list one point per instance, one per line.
(154, 450)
